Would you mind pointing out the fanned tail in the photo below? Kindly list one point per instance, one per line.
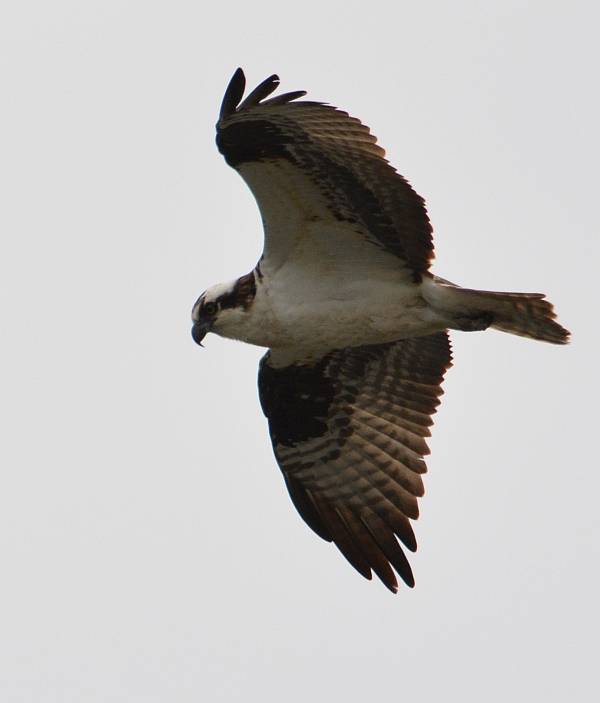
(525, 314)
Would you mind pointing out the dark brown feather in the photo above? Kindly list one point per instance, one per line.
(384, 537)
(370, 549)
(354, 474)
(338, 156)
(260, 92)
(233, 94)
(287, 98)
(342, 537)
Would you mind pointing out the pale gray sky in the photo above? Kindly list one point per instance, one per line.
(149, 550)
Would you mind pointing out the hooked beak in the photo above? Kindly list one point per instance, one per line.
(199, 331)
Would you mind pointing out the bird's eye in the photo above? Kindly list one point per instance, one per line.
(210, 309)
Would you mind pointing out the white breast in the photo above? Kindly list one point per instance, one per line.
(302, 315)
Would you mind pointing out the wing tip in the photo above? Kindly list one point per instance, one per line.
(234, 93)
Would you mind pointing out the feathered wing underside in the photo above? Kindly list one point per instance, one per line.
(310, 166)
(349, 434)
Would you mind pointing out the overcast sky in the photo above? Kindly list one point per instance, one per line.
(149, 549)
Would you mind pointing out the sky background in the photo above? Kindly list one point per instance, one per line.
(149, 550)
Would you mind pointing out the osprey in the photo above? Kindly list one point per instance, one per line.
(355, 323)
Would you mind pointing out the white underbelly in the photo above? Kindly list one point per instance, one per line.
(352, 314)
(330, 287)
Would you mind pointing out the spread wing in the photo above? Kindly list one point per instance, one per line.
(315, 172)
(348, 433)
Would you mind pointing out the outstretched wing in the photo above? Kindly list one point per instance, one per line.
(314, 169)
(348, 433)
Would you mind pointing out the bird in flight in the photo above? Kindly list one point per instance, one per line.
(355, 323)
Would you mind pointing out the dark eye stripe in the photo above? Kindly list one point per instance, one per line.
(242, 294)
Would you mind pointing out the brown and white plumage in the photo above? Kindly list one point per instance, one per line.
(354, 473)
(355, 323)
(329, 169)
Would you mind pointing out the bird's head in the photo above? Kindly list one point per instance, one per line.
(222, 308)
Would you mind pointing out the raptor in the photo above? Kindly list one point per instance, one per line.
(355, 323)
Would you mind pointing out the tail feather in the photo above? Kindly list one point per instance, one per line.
(524, 314)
